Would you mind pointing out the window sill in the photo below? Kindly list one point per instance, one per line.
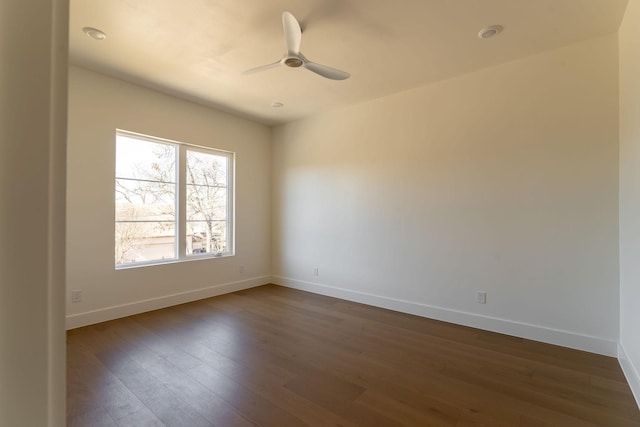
(188, 258)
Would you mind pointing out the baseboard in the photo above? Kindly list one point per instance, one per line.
(115, 312)
(523, 330)
(630, 372)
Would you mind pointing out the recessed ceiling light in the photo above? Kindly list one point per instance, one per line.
(94, 33)
(277, 104)
(490, 31)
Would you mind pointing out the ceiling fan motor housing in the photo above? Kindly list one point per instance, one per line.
(293, 61)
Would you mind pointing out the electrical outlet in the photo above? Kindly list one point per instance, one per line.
(76, 296)
(315, 271)
(241, 269)
(481, 297)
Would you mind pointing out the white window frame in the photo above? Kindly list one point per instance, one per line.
(181, 203)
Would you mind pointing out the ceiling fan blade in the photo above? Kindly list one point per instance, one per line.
(263, 68)
(324, 71)
(292, 32)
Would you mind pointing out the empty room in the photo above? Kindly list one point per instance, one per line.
(321, 213)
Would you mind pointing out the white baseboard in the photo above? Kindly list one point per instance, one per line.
(115, 312)
(630, 372)
(523, 330)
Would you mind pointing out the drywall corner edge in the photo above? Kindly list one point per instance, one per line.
(522, 330)
(137, 307)
(630, 372)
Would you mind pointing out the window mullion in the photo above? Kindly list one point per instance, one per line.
(181, 209)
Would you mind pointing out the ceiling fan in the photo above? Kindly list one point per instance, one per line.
(294, 58)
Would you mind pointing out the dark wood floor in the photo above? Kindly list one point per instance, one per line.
(272, 356)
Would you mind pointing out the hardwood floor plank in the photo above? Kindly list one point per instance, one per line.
(94, 418)
(92, 387)
(408, 415)
(166, 405)
(256, 407)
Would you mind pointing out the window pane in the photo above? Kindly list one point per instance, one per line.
(206, 203)
(145, 192)
(206, 237)
(141, 159)
(206, 169)
(144, 241)
(145, 201)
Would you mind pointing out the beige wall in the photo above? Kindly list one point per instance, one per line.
(33, 90)
(504, 180)
(97, 106)
(629, 38)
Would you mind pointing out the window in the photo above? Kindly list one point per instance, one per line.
(173, 201)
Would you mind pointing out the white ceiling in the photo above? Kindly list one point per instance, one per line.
(198, 49)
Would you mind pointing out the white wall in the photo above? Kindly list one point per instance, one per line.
(504, 180)
(629, 39)
(33, 90)
(97, 106)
